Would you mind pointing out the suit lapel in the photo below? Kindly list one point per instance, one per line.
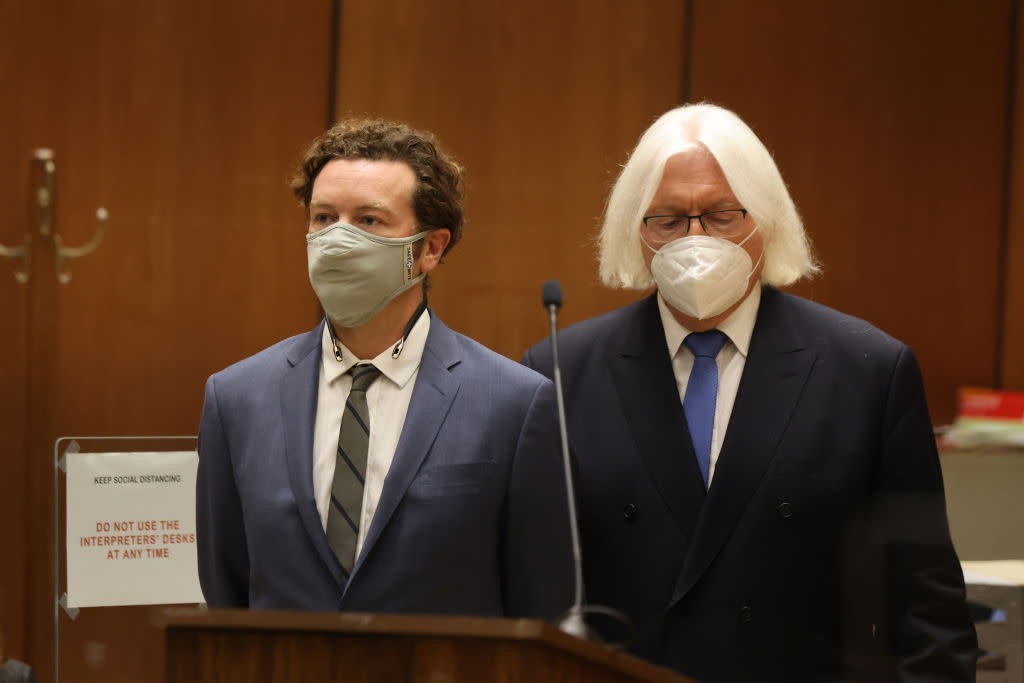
(775, 373)
(432, 398)
(298, 408)
(647, 390)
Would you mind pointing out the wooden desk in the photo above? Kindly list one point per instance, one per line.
(228, 646)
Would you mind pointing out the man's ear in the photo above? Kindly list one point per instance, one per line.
(433, 247)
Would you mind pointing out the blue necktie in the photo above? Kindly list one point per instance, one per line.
(701, 393)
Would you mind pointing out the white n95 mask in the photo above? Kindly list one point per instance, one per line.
(702, 276)
(355, 273)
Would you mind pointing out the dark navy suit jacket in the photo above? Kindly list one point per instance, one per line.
(471, 520)
(821, 550)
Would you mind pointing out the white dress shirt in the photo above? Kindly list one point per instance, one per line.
(738, 329)
(387, 401)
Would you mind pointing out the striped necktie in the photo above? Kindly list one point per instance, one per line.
(346, 506)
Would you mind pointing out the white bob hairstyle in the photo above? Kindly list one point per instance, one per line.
(748, 167)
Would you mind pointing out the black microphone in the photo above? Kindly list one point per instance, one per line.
(552, 295)
(572, 622)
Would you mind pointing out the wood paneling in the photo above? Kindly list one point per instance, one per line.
(541, 102)
(887, 121)
(1013, 312)
(14, 225)
(891, 143)
(184, 119)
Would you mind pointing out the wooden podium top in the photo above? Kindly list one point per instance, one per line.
(464, 629)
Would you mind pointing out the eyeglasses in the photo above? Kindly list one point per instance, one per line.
(727, 223)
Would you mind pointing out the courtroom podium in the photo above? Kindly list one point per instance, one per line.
(228, 646)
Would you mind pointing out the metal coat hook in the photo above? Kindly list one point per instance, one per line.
(45, 192)
(25, 254)
(45, 199)
(68, 253)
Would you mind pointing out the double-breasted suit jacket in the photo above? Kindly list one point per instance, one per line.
(820, 550)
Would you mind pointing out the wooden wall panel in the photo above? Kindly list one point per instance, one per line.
(541, 102)
(14, 224)
(887, 120)
(1012, 366)
(185, 120)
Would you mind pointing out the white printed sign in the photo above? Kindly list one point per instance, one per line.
(131, 529)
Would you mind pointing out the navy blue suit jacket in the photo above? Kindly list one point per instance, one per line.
(821, 550)
(471, 520)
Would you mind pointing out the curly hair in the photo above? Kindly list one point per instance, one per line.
(437, 199)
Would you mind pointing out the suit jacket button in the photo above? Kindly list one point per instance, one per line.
(746, 614)
(785, 510)
(629, 512)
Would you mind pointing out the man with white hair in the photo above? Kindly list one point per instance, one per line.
(759, 486)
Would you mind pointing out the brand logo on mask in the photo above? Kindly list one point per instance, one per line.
(408, 262)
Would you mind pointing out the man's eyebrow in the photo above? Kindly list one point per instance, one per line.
(374, 206)
(666, 210)
(727, 202)
(367, 206)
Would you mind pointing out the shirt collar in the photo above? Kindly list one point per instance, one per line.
(399, 370)
(738, 327)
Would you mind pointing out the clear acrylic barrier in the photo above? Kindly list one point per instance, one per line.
(132, 533)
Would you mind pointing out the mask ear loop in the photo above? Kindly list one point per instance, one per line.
(408, 327)
(653, 250)
(759, 258)
(401, 342)
(744, 240)
(334, 338)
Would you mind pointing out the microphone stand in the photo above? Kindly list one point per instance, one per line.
(573, 622)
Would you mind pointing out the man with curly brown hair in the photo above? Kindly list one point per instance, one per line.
(381, 462)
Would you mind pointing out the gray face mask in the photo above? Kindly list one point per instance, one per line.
(355, 274)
